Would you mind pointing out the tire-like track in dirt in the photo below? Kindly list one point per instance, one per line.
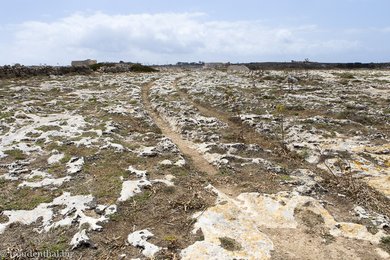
(248, 135)
(356, 190)
(185, 146)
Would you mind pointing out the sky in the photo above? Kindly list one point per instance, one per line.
(168, 31)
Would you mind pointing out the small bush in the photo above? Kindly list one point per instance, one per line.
(97, 66)
(115, 217)
(230, 244)
(346, 75)
(142, 68)
(170, 238)
(385, 243)
(385, 240)
(286, 177)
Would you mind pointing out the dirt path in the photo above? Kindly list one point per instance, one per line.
(185, 146)
(247, 134)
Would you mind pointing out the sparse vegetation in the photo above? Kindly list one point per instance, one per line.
(284, 177)
(142, 197)
(345, 75)
(141, 68)
(305, 153)
(385, 243)
(48, 128)
(230, 244)
(24, 199)
(280, 110)
(168, 152)
(5, 115)
(16, 154)
(97, 66)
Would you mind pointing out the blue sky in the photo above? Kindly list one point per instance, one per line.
(156, 31)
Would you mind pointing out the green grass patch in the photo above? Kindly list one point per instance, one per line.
(47, 128)
(66, 158)
(177, 171)
(16, 154)
(24, 199)
(116, 217)
(61, 244)
(285, 177)
(5, 115)
(143, 197)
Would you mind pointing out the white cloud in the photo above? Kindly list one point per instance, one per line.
(161, 38)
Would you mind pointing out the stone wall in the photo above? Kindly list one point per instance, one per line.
(18, 71)
(314, 65)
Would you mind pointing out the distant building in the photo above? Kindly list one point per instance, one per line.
(83, 63)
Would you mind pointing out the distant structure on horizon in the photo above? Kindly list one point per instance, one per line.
(215, 65)
(237, 68)
(181, 63)
(83, 63)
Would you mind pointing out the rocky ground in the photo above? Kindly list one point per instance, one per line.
(200, 164)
